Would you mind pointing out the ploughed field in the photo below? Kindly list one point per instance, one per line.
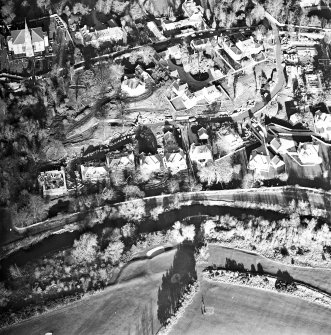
(112, 311)
(231, 258)
(233, 309)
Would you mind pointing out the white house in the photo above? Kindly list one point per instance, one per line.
(308, 154)
(323, 125)
(259, 163)
(282, 145)
(27, 42)
(249, 47)
(114, 34)
(94, 173)
(202, 134)
(152, 163)
(201, 154)
(176, 161)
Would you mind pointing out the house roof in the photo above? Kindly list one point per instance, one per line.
(200, 149)
(151, 161)
(175, 157)
(275, 144)
(276, 162)
(122, 162)
(259, 162)
(202, 133)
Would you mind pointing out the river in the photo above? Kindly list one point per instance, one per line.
(65, 240)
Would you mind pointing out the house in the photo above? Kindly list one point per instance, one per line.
(249, 47)
(200, 155)
(133, 87)
(282, 145)
(260, 164)
(151, 163)
(264, 164)
(308, 154)
(322, 125)
(27, 42)
(97, 37)
(121, 163)
(176, 161)
(53, 183)
(155, 30)
(183, 99)
(94, 173)
(202, 134)
(233, 51)
(211, 94)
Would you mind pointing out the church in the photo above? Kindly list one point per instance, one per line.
(27, 42)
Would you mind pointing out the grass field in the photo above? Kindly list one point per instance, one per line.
(241, 310)
(113, 311)
(318, 278)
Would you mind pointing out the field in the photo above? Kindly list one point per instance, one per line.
(241, 310)
(115, 310)
(221, 256)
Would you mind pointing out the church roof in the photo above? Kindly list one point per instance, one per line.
(18, 36)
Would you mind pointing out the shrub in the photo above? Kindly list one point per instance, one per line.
(85, 249)
(113, 252)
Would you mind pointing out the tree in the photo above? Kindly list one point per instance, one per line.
(113, 252)
(220, 171)
(7, 12)
(85, 249)
(4, 295)
(133, 210)
(155, 212)
(104, 6)
(173, 186)
(132, 192)
(43, 4)
(81, 9)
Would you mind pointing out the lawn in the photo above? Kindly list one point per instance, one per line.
(318, 278)
(242, 310)
(112, 311)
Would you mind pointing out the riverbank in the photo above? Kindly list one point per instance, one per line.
(278, 199)
(143, 273)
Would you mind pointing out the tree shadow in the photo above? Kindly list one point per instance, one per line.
(176, 281)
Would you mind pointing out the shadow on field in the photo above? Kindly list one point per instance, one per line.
(176, 282)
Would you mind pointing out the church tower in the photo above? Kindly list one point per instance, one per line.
(28, 42)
